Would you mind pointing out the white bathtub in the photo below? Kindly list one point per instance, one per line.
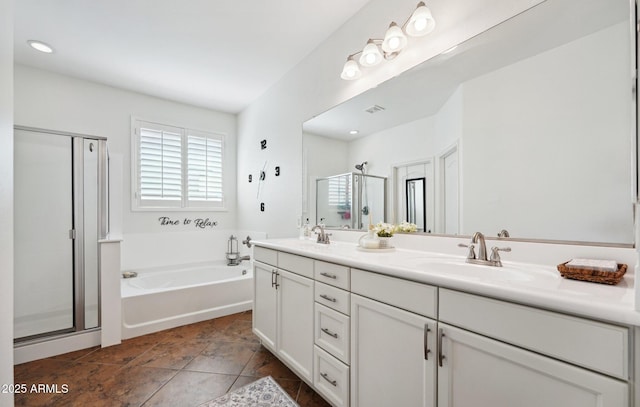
(166, 298)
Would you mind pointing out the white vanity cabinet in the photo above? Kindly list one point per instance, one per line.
(264, 304)
(393, 351)
(499, 354)
(332, 332)
(482, 372)
(365, 339)
(283, 307)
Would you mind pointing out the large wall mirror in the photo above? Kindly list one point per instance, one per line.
(528, 127)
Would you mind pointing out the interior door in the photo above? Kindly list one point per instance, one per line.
(43, 278)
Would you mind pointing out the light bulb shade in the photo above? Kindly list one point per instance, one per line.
(394, 40)
(421, 21)
(370, 55)
(351, 70)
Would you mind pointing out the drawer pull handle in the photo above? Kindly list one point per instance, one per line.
(273, 278)
(426, 341)
(326, 377)
(440, 355)
(328, 332)
(332, 276)
(326, 297)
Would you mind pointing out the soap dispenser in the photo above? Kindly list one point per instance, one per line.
(306, 229)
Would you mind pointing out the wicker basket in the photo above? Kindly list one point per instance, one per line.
(595, 276)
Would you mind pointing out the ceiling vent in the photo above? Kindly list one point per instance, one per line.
(374, 109)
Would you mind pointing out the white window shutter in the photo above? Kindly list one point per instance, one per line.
(178, 168)
(160, 165)
(339, 189)
(204, 169)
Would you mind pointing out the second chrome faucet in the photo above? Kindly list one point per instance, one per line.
(481, 258)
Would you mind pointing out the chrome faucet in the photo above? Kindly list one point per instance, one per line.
(323, 237)
(478, 238)
(481, 258)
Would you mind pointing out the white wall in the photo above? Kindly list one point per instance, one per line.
(52, 101)
(408, 142)
(315, 85)
(322, 157)
(6, 198)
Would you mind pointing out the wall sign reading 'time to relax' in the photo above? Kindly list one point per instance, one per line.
(197, 223)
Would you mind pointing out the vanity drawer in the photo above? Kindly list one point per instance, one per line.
(265, 255)
(332, 297)
(332, 274)
(331, 378)
(594, 345)
(295, 264)
(332, 332)
(409, 295)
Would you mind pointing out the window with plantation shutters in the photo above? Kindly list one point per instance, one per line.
(340, 191)
(204, 168)
(177, 167)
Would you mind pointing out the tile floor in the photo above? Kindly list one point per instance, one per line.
(179, 367)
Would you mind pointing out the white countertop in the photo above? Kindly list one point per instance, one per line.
(531, 284)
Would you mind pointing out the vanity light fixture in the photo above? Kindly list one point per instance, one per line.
(40, 46)
(351, 70)
(420, 23)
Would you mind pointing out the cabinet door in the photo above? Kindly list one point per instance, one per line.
(264, 304)
(393, 356)
(295, 322)
(481, 372)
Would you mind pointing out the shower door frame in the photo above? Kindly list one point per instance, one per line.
(359, 223)
(78, 231)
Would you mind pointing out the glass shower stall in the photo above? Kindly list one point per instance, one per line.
(60, 199)
(351, 200)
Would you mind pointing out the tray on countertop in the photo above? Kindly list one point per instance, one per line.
(595, 276)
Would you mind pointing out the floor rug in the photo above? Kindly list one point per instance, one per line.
(263, 392)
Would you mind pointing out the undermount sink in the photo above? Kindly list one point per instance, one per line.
(459, 267)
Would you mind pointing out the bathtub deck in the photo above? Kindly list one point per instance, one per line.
(184, 366)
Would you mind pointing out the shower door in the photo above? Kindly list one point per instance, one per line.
(43, 196)
(58, 220)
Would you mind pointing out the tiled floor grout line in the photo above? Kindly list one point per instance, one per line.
(160, 388)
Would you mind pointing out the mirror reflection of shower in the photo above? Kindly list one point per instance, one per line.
(351, 200)
(362, 167)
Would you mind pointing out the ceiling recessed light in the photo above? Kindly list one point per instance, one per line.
(40, 46)
(354, 132)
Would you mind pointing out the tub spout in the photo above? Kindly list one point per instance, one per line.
(237, 260)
